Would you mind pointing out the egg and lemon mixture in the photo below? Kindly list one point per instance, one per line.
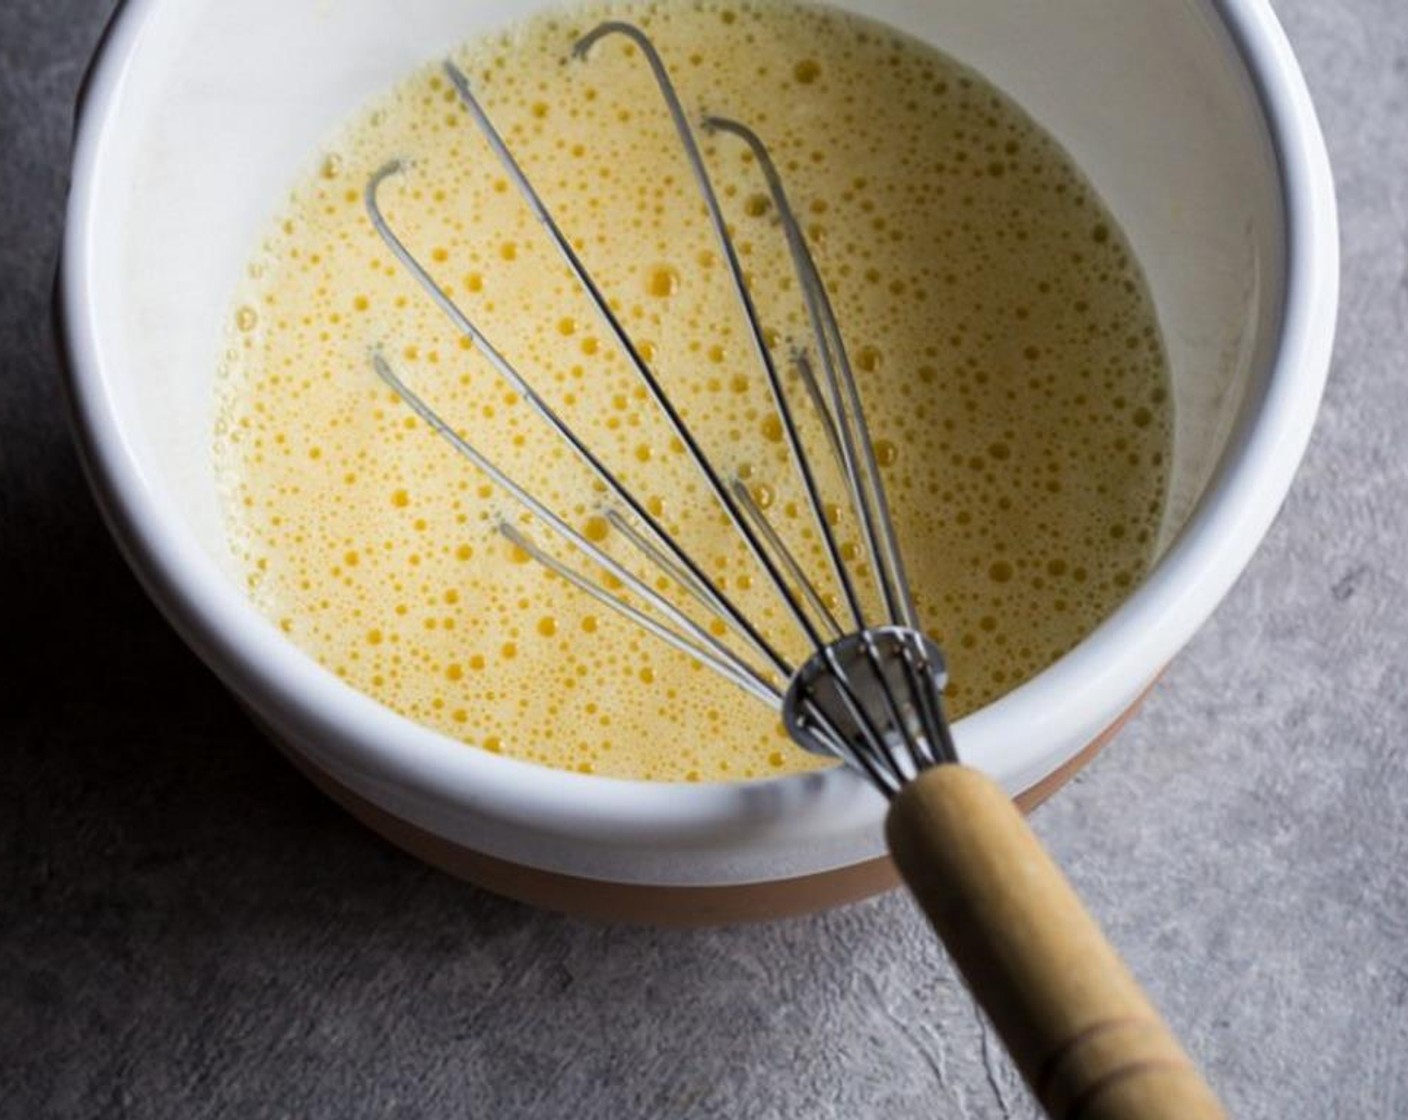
(1004, 344)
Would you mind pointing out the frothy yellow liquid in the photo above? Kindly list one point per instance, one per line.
(1005, 347)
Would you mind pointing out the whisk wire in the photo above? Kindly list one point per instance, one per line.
(764, 355)
(642, 544)
(785, 556)
(802, 365)
(861, 468)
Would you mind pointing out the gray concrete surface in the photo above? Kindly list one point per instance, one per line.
(188, 930)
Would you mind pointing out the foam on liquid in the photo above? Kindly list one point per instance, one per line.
(1006, 348)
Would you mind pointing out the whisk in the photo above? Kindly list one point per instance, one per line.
(871, 692)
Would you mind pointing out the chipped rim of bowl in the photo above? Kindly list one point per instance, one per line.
(335, 722)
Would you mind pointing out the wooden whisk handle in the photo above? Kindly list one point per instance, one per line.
(1084, 1035)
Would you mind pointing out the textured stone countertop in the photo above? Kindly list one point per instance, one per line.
(188, 929)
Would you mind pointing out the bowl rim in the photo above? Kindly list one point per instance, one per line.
(336, 722)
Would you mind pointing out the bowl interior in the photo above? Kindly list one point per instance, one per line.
(216, 107)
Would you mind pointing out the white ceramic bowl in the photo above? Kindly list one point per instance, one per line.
(1190, 117)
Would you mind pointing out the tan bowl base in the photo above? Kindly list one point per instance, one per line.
(655, 905)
